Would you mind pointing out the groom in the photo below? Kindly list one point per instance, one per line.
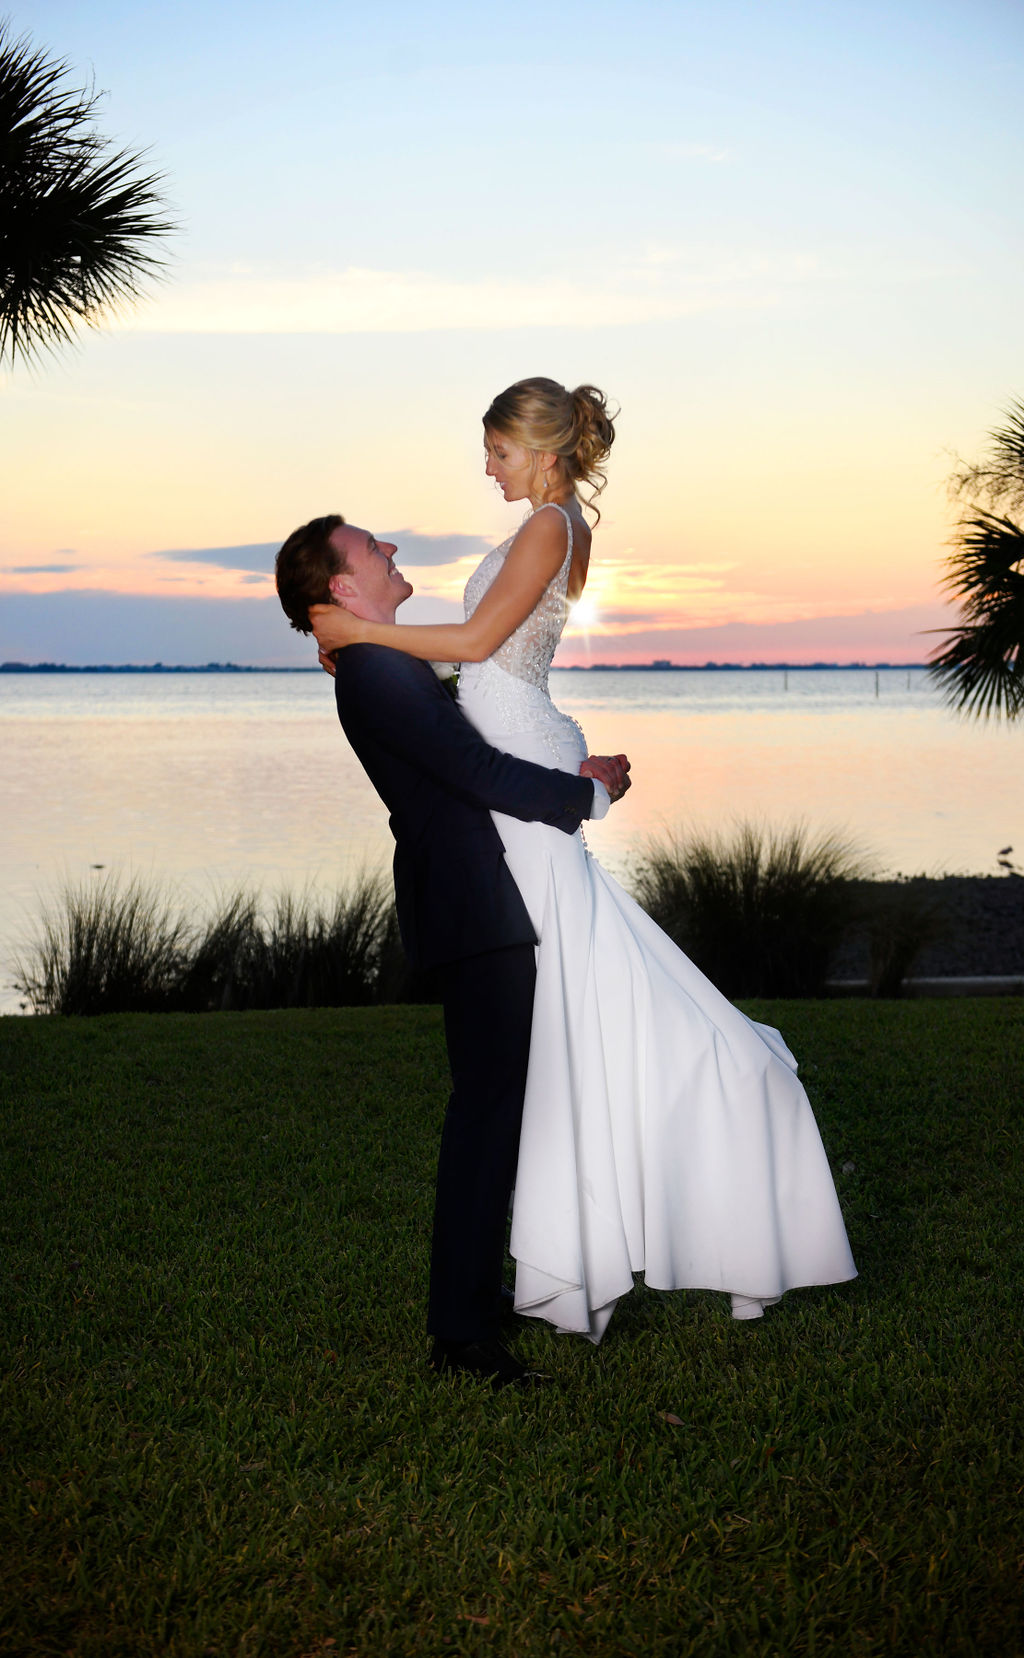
(459, 911)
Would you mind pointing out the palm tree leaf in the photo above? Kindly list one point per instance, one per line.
(999, 479)
(985, 567)
(1008, 444)
(973, 683)
(80, 222)
(979, 668)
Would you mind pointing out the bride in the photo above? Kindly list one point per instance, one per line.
(663, 1131)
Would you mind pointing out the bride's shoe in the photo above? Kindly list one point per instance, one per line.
(748, 1306)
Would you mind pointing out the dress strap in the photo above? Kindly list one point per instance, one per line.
(568, 524)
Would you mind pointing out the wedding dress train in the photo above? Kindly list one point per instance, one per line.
(663, 1131)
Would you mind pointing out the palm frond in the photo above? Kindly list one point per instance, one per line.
(980, 668)
(999, 479)
(79, 220)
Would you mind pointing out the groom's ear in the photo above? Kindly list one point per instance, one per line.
(341, 587)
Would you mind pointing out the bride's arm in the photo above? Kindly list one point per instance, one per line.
(533, 559)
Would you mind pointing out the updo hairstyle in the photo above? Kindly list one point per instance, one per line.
(574, 425)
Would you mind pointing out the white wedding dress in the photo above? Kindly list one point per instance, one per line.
(663, 1131)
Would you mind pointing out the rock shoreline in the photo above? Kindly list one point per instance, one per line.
(979, 923)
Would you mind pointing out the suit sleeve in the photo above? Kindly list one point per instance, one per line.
(403, 705)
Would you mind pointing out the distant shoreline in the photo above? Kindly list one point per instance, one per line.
(574, 668)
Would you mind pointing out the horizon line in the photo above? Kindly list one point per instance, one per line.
(658, 665)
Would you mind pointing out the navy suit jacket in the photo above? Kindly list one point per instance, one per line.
(440, 781)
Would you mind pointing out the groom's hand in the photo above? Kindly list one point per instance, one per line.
(610, 769)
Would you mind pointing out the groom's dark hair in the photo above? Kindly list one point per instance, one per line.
(304, 567)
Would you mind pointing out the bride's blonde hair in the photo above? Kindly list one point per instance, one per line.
(574, 425)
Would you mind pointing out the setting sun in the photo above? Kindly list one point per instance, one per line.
(583, 615)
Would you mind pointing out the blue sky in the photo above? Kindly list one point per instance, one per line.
(783, 237)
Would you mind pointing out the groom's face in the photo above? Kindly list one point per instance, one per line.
(370, 587)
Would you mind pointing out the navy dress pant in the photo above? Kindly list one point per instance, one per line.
(488, 1010)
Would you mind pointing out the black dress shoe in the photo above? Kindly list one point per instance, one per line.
(487, 1360)
(507, 1302)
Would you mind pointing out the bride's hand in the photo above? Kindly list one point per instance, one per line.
(333, 627)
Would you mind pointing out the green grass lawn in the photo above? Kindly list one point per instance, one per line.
(219, 1436)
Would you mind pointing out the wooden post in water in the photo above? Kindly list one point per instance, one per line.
(876, 682)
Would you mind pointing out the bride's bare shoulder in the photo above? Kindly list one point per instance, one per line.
(544, 532)
(549, 523)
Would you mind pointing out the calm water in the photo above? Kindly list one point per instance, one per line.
(209, 779)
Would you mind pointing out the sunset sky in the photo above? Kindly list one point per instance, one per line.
(783, 236)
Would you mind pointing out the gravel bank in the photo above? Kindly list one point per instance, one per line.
(979, 921)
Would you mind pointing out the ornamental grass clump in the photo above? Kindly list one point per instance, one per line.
(224, 956)
(899, 923)
(760, 915)
(105, 948)
(120, 948)
(322, 958)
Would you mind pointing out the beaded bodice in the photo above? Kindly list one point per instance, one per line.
(527, 653)
(506, 696)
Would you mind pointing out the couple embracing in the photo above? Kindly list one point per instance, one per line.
(644, 1122)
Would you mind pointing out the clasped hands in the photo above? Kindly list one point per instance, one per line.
(333, 627)
(610, 769)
